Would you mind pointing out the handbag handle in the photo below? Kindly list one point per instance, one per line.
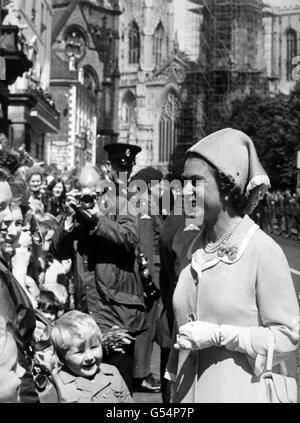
(270, 355)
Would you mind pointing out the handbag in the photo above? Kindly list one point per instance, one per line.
(273, 387)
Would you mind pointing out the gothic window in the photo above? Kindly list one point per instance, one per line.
(168, 127)
(90, 80)
(128, 108)
(134, 43)
(291, 51)
(158, 40)
(75, 43)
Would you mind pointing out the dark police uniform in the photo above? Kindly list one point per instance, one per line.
(150, 224)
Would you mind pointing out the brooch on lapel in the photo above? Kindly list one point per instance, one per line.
(230, 252)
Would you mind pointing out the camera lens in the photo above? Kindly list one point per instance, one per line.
(87, 201)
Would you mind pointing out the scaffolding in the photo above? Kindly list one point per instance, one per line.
(190, 122)
(231, 60)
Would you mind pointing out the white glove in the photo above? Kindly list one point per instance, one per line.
(197, 335)
(236, 338)
(20, 261)
(51, 274)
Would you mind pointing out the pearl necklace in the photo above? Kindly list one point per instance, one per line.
(213, 247)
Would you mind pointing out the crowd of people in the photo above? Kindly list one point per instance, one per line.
(60, 260)
(279, 213)
(88, 282)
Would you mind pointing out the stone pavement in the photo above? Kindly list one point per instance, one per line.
(144, 397)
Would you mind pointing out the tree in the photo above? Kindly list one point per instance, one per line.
(273, 123)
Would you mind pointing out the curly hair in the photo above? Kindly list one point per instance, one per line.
(9, 161)
(227, 186)
(35, 170)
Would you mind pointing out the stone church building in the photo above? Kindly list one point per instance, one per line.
(152, 80)
(84, 80)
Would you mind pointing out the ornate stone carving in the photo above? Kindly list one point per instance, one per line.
(128, 82)
(103, 38)
(75, 44)
(179, 73)
(174, 72)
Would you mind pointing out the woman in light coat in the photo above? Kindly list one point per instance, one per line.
(237, 290)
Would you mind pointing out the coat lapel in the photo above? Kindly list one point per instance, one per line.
(237, 245)
(92, 387)
(101, 382)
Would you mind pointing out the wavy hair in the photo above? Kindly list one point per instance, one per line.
(54, 183)
(227, 186)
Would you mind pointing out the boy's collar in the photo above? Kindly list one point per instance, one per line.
(99, 381)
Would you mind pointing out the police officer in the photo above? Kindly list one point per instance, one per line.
(150, 224)
(106, 234)
(121, 159)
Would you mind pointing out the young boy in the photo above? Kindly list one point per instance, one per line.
(83, 378)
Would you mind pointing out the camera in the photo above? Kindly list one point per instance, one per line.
(85, 201)
(150, 290)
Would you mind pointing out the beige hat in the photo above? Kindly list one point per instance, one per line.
(233, 153)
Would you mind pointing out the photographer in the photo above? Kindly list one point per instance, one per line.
(100, 234)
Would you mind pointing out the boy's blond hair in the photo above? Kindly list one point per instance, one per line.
(71, 327)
